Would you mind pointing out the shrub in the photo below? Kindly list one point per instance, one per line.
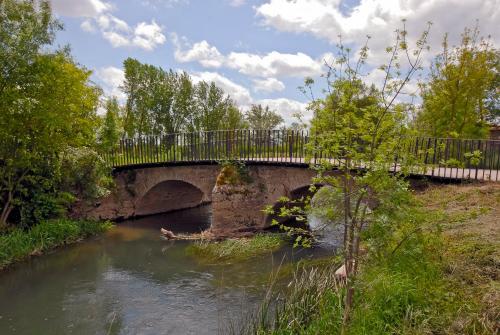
(233, 173)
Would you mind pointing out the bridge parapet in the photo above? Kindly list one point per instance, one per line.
(435, 157)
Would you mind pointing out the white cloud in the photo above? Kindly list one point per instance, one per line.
(380, 18)
(268, 85)
(88, 26)
(202, 52)
(148, 36)
(237, 92)
(144, 35)
(80, 8)
(237, 3)
(111, 79)
(273, 64)
(110, 22)
(287, 108)
(117, 40)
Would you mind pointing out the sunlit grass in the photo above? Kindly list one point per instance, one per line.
(20, 244)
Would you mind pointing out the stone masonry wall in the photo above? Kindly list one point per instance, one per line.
(236, 209)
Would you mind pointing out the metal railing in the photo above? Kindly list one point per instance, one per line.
(438, 157)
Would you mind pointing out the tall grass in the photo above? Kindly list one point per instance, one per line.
(235, 248)
(19, 244)
(313, 296)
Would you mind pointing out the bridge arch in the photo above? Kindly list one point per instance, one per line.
(169, 195)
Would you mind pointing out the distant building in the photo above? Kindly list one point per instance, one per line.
(495, 132)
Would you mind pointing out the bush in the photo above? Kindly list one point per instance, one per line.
(51, 186)
(84, 173)
(435, 272)
(233, 173)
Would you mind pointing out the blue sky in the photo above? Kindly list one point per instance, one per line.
(257, 51)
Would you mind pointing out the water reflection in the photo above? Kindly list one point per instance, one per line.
(130, 281)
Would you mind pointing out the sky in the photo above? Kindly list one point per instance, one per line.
(258, 51)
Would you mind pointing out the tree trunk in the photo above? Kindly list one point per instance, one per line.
(6, 212)
(348, 246)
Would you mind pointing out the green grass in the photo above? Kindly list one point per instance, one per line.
(20, 244)
(235, 248)
(442, 280)
(311, 301)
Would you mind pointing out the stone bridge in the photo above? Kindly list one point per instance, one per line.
(156, 174)
(146, 190)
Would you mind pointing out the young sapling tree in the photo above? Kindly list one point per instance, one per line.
(359, 136)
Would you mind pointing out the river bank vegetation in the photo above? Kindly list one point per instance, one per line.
(436, 272)
(235, 249)
(18, 244)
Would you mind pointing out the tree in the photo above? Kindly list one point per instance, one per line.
(155, 99)
(461, 95)
(47, 104)
(263, 118)
(160, 101)
(56, 111)
(183, 103)
(24, 30)
(234, 118)
(211, 106)
(361, 129)
(492, 103)
(110, 131)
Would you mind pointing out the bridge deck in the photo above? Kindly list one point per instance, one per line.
(438, 156)
(443, 172)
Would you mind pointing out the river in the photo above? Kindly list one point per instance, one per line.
(131, 281)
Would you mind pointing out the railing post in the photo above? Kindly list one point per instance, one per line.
(228, 144)
(434, 156)
(479, 149)
(175, 147)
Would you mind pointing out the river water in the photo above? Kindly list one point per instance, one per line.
(131, 281)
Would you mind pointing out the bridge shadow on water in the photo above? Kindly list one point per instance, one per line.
(193, 220)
